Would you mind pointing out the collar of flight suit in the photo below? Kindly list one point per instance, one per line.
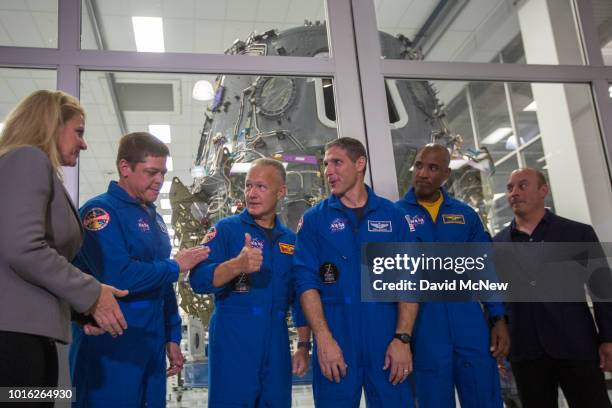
(372, 203)
(277, 231)
(116, 191)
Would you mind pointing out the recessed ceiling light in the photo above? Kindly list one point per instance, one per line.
(162, 132)
(149, 34)
(497, 135)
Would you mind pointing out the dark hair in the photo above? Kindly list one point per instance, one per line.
(353, 147)
(135, 147)
(278, 166)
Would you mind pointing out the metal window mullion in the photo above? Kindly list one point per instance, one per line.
(472, 71)
(342, 45)
(382, 158)
(472, 113)
(603, 107)
(587, 27)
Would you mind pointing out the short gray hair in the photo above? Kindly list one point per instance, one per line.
(280, 169)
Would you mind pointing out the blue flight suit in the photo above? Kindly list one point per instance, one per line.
(249, 359)
(328, 259)
(126, 245)
(451, 339)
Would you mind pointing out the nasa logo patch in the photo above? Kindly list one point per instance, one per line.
(337, 225)
(257, 243)
(96, 219)
(143, 225)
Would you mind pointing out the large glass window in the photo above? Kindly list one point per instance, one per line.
(17, 83)
(28, 23)
(265, 27)
(493, 128)
(478, 30)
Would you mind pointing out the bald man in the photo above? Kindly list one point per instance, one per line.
(453, 346)
(554, 344)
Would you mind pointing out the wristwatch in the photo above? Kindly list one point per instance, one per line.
(403, 337)
(495, 319)
(304, 344)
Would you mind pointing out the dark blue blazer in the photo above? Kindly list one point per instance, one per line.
(559, 330)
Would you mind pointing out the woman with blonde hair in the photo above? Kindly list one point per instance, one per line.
(40, 234)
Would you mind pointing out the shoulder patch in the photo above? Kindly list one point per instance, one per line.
(453, 219)
(210, 235)
(96, 219)
(287, 249)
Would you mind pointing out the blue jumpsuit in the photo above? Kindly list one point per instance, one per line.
(327, 258)
(451, 339)
(127, 246)
(248, 342)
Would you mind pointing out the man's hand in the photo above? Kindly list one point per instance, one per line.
(91, 330)
(249, 259)
(106, 311)
(398, 359)
(605, 356)
(299, 361)
(190, 257)
(500, 339)
(330, 358)
(175, 357)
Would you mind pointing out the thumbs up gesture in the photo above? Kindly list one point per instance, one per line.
(250, 258)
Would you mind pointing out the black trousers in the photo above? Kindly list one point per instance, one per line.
(582, 383)
(27, 360)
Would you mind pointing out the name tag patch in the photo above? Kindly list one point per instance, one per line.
(453, 219)
(379, 226)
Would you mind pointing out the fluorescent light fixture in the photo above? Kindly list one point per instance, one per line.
(162, 132)
(165, 204)
(167, 218)
(497, 135)
(203, 91)
(166, 187)
(240, 168)
(149, 34)
(169, 164)
(532, 107)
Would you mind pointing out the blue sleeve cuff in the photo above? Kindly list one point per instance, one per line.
(495, 309)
